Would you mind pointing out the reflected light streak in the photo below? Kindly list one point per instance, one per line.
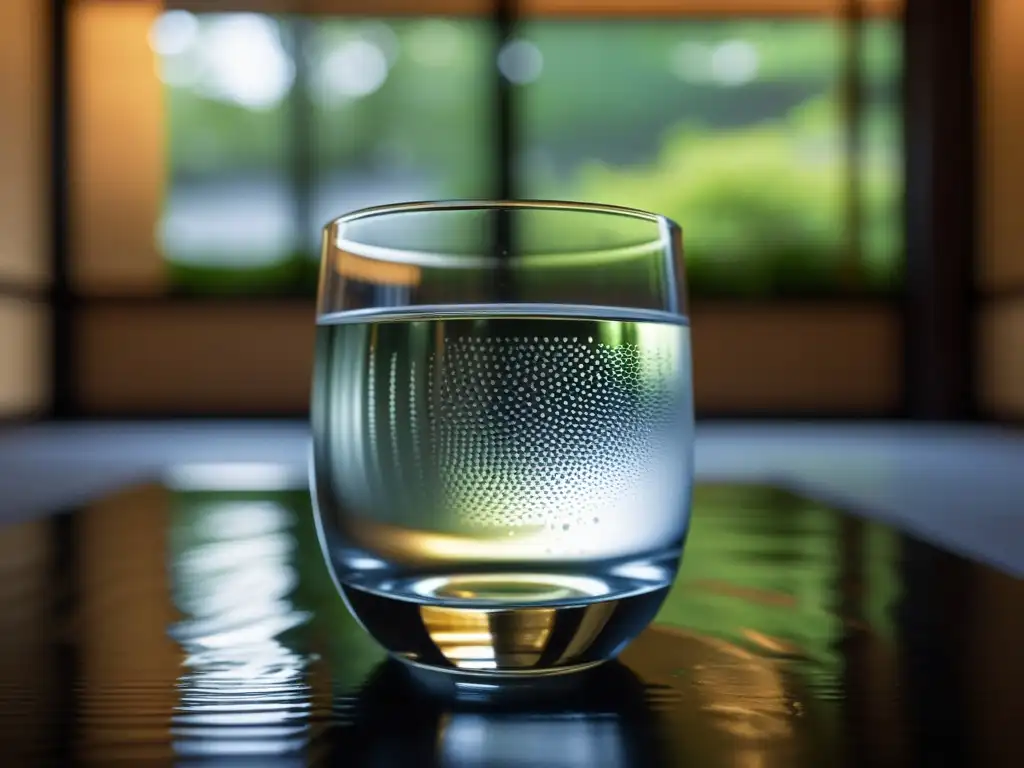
(361, 562)
(744, 693)
(248, 520)
(243, 691)
(640, 571)
(230, 554)
(377, 271)
(477, 664)
(240, 476)
(472, 656)
(263, 632)
(254, 718)
(771, 644)
(567, 586)
(460, 637)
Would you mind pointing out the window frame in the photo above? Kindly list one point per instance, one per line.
(504, 16)
(68, 303)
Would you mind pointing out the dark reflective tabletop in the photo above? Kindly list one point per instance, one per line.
(193, 622)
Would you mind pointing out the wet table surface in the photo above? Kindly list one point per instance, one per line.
(191, 620)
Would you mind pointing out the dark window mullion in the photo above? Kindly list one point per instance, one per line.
(939, 208)
(505, 115)
(63, 399)
(302, 132)
(853, 130)
(505, 150)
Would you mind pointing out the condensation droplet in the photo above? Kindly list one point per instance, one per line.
(534, 429)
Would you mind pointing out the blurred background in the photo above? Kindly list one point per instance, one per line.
(848, 175)
(845, 171)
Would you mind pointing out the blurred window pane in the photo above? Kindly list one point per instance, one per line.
(277, 125)
(732, 127)
(401, 112)
(227, 80)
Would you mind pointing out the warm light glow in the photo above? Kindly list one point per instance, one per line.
(446, 638)
(470, 656)
(771, 644)
(529, 544)
(377, 271)
(466, 639)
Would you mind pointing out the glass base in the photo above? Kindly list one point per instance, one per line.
(479, 639)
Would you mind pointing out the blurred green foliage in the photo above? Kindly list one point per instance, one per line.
(754, 171)
(432, 109)
(295, 274)
(761, 559)
(759, 218)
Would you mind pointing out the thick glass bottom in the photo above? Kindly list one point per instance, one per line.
(504, 625)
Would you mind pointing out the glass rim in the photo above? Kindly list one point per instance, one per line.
(667, 231)
(474, 204)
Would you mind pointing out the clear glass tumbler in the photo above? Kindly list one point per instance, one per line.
(502, 429)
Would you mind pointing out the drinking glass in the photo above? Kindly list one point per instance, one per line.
(502, 429)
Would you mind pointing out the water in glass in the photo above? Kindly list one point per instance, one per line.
(503, 488)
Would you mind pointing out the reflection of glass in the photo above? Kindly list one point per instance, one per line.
(677, 698)
(605, 722)
(502, 428)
